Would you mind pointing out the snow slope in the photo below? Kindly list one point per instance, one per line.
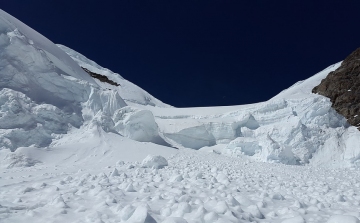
(44, 85)
(43, 92)
(130, 92)
(294, 127)
(71, 147)
(194, 187)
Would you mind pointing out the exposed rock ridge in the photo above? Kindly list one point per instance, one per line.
(342, 86)
(100, 77)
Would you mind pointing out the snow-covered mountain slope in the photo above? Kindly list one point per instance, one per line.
(294, 127)
(131, 93)
(46, 94)
(71, 146)
(43, 92)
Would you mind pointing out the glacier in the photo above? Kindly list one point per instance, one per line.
(44, 84)
(294, 127)
(75, 149)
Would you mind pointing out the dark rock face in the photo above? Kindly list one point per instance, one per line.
(342, 86)
(100, 77)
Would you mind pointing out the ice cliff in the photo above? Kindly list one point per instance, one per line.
(44, 93)
(294, 127)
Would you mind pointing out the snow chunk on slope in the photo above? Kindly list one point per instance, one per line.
(343, 219)
(137, 124)
(25, 123)
(297, 219)
(156, 162)
(141, 216)
(193, 137)
(17, 160)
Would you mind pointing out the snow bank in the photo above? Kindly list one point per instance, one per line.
(17, 160)
(136, 124)
(156, 162)
(24, 122)
(193, 137)
(343, 219)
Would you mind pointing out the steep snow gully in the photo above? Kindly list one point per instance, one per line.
(71, 147)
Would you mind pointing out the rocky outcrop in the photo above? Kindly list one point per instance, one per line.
(342, 86)
(100, 77)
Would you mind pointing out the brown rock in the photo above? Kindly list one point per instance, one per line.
(342, 86)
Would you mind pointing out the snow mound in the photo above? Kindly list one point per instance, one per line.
(156, 162)
(174, 220)
(17, 160)
(244, 192)
(193, 137)
(343, 219)
(24, 122)
(137, 124)
(141, 215)
(297, 219)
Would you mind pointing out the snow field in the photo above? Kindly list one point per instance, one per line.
(71, 148)
(195, 187)
(47, 93)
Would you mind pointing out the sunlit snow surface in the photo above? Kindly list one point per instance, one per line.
(294, 127)
(130, 92)
(74, 149)
(194, 187)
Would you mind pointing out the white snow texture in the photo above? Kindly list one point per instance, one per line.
(75, 149)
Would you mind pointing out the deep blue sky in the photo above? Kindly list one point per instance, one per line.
(201, 53)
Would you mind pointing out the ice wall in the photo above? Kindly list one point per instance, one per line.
(295, 127)
(43, 92)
